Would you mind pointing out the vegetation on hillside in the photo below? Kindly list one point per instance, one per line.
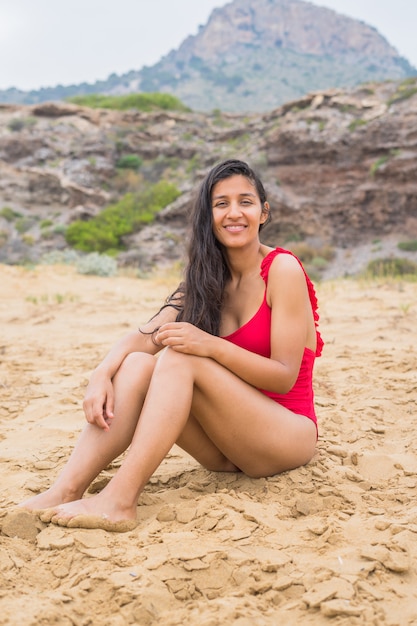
(105, 232)
(409, 245)
(140, 101)
(406, 89)
(391, 267)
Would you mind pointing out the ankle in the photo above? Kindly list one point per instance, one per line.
(68, 492)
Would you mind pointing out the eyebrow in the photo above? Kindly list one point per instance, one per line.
(241, 195)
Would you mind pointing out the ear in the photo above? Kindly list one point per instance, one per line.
(265, 212)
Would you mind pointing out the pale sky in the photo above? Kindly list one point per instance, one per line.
(44, 43)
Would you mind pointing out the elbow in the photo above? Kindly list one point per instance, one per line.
(289, 382)
(283, 388)
(284, 383)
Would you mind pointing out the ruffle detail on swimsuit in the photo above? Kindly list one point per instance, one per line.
(265, 266)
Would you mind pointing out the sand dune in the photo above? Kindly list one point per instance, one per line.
(331, 543)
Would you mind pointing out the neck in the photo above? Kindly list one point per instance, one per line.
(243, 262)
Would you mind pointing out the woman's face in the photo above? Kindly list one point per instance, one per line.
(237, 211)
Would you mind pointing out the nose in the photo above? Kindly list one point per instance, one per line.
(234, 209)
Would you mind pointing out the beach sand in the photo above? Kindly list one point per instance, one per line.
(334, 542)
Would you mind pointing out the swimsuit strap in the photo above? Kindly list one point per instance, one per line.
(265, 266)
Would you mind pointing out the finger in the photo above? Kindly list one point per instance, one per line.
(173, 342)
(103, 424)
(100, 421)
(88, 411)
(181, 347)
(163, 339)
(165, 327)
(171, 325)
(109, 406)
(107, 416)
(95, 414)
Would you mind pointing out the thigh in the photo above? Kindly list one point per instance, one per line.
(256, 434)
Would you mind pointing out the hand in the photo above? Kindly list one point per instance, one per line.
(186, 338)
(98, 401)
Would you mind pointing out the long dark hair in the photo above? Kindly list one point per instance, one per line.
(199, 298)
(201, 294)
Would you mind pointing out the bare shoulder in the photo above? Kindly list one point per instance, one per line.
(286, 266)
(286, 276)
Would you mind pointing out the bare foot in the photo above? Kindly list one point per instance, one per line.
(94, 512)
(93, 521)
(53, 497)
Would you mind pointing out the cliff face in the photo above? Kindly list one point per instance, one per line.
(255, 56)
(340, 168)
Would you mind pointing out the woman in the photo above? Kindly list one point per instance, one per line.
(233, 386)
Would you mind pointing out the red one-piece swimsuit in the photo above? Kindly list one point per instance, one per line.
(255, 336)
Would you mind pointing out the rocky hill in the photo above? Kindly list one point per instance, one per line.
(340, 167)
(255, 56)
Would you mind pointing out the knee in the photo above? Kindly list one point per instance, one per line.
(138, 364)
(172, 359)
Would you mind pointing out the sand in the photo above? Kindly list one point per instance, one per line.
(334, 542)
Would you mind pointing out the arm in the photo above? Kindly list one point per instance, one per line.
(98, 402)
(291, 320)
(291, 315)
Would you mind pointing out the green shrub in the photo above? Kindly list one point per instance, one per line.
(23, 224)
(104, 232)
(9, 214)
(60, 257)
(377, 164)
(46, 223)
(403, 93)
(314, 259)
(303, 251)
(29, 240)
(356, 124)
(193, 164)
(140, 101)
(409, 246)
(129, 162)
(59, 229)
(93, 263)
(97, 265)
(18, 123)
(319, 262)
(391, 267)
(46, 234)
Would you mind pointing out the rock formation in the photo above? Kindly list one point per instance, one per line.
(340, 168)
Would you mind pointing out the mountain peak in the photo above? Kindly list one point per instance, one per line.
(255, 56)
(294, 25)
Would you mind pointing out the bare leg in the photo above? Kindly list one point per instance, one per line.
(96, 448)
(242, 428)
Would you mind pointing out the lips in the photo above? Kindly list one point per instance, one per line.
(235, 228)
